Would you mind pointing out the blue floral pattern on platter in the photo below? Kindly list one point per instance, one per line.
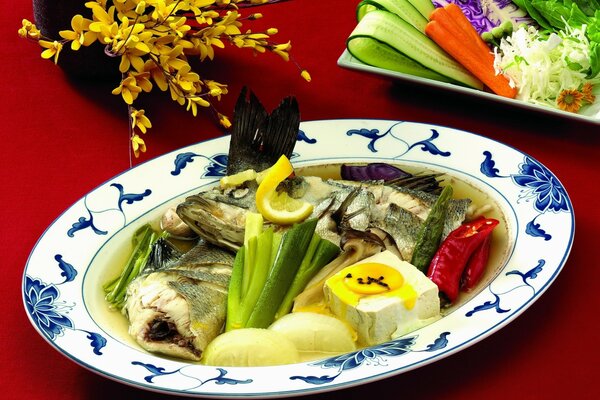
(50, 315)
(70, 249)
(374, 355)
(124, 198)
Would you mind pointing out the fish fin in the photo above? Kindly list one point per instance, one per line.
(162, 255)
(339, 216)
(258, 138)
(426, 183)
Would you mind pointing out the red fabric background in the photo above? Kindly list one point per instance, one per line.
(60, 138)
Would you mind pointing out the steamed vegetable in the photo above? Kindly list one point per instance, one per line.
(430, 235)
(452, 259)
(285, 266)
(250, 347)
(319, 253)
(141, 241)
(450, 29)
(316, 335)
(271, 269)
(251, 268)
(372, 172)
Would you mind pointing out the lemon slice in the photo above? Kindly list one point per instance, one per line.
(279, 207)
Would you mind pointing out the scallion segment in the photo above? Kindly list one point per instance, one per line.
(142, 242)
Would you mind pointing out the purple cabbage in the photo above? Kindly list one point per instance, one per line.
(372, 172)
(487, 14)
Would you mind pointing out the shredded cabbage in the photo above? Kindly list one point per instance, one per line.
(541, 67)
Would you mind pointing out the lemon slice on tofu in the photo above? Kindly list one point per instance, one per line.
(279, 207)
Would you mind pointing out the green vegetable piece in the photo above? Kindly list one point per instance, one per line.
(234, 293)
(251, 268)
(253, 227)
(507, 28)
(320, 252)
(533, 12)
(488, 37)
(287, 261)
(262, 265)
(431, 231)
(498, 32)
(142, 241)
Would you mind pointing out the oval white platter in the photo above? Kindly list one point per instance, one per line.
(62, 279)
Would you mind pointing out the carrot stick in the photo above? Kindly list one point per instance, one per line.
(452, 17)
(451, 42)
(456, 14)
(443, 17)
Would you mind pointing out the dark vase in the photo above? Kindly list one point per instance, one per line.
(52, 16)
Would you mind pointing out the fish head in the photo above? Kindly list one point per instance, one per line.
(213, 220)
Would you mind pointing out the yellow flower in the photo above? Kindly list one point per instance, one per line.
(128, 89)
(157, 74)
(174, 59)
(138, 145)
(209, 38)
(194, 102)
(215, 89)
(204, 17)
(133, 50)
(80, 35)
(282, 50)
(103, 19)
(304, 74)
(140, 8)
(179, 27)
(586, 90)
(163, 9)
(184, 84)
(29, 30)
(142, 79)
(52, 49)
(224, 121)
(569, 100)
(139, 120)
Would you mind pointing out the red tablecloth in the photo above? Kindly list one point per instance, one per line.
(61, 138)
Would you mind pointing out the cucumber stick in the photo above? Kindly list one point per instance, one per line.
(371, 51)
(386, 27)
(425, 7)
(402, 8)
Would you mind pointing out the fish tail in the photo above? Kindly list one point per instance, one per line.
(258, 138)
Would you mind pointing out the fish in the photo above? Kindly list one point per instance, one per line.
(177, 305)
(218, 215)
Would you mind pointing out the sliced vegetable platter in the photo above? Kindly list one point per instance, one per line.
(534, 54)
(65, 302)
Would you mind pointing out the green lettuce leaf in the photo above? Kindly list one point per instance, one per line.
(588, 7)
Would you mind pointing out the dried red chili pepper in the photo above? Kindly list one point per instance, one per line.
(450, 261)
